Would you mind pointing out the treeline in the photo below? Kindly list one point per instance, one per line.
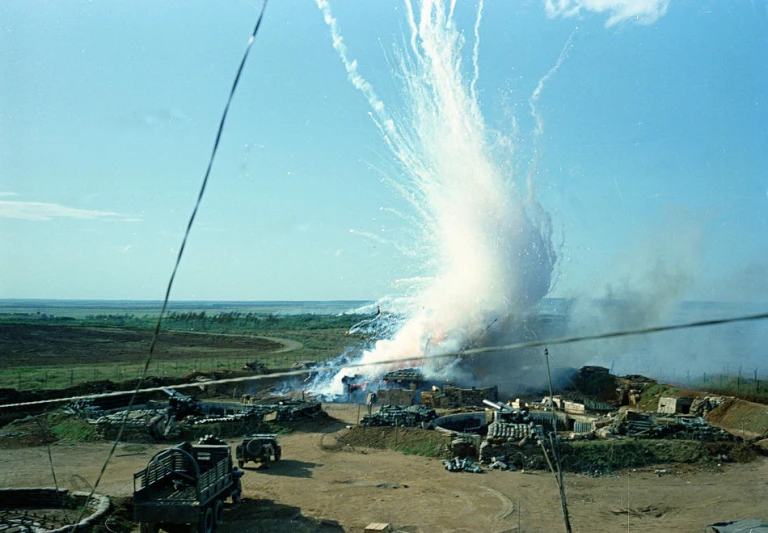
(254, 321)
(233, 317)
(223, 322)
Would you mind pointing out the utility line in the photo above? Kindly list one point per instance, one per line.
(178, 257)
(462, 353)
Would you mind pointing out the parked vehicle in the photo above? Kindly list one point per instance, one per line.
(184, 488)
(261, 448)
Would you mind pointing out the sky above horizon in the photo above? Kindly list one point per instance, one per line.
(653, 163)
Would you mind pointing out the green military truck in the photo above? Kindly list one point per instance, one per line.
(183, 488)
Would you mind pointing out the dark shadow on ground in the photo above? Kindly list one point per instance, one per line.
(285, 467)
(257, 516)
(321, 424)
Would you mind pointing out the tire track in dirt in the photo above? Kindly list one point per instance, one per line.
(289, 345)
(508, 506)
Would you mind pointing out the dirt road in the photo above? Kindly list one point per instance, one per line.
(320, 485)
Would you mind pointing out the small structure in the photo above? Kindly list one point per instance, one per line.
(456, 397)
(670, 405)
(409, 378)
(19, 509)
(396, 396)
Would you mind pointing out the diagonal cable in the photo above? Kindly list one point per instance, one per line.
(180, 254)
(471, 351)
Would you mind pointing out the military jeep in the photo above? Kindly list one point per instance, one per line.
(262, 448)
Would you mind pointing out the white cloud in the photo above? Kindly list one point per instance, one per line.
(8, 193)
(641, 11)
(49, 211)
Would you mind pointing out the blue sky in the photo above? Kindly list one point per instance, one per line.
(653, 161)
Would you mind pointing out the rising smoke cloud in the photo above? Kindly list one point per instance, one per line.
(485, 239)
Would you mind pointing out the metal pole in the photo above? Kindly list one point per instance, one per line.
(556, 451)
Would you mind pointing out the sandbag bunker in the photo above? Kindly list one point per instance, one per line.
(183, 417)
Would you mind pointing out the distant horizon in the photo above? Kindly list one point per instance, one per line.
(340, 300)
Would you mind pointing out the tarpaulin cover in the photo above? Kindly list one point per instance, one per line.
(738, 526)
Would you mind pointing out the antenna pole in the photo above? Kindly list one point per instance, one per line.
(555, 445)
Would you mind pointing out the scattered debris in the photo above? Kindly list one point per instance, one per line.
(377, 526)
(400, 416)
(465, 464)
(256, 366)
(499, 463)
(183, 416)
(290, 409)
(702, 406)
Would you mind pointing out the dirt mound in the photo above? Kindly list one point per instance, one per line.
(412, 441)
(611, 455)
(748, 420)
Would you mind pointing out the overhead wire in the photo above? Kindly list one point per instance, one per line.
(463, 353)
(191, 221)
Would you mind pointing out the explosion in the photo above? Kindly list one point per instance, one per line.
(485, 239)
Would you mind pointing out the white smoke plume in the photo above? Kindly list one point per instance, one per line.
(486, 242)
(641, 11)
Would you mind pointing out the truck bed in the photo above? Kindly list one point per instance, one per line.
(179, 481)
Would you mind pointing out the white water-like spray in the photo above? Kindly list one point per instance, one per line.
(486, 240)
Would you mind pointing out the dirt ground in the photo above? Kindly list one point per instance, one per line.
(322, 485)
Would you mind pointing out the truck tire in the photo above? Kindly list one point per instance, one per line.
(240, 464)
(265, 461)
(278, 453)
(207, 522)
(148, 527)
(218, 512)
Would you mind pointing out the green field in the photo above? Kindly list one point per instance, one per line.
(64, 344)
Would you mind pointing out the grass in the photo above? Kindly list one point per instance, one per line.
(71, 429)
(593, 456)
(321, 337)
(410, 441)
(56, 426)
